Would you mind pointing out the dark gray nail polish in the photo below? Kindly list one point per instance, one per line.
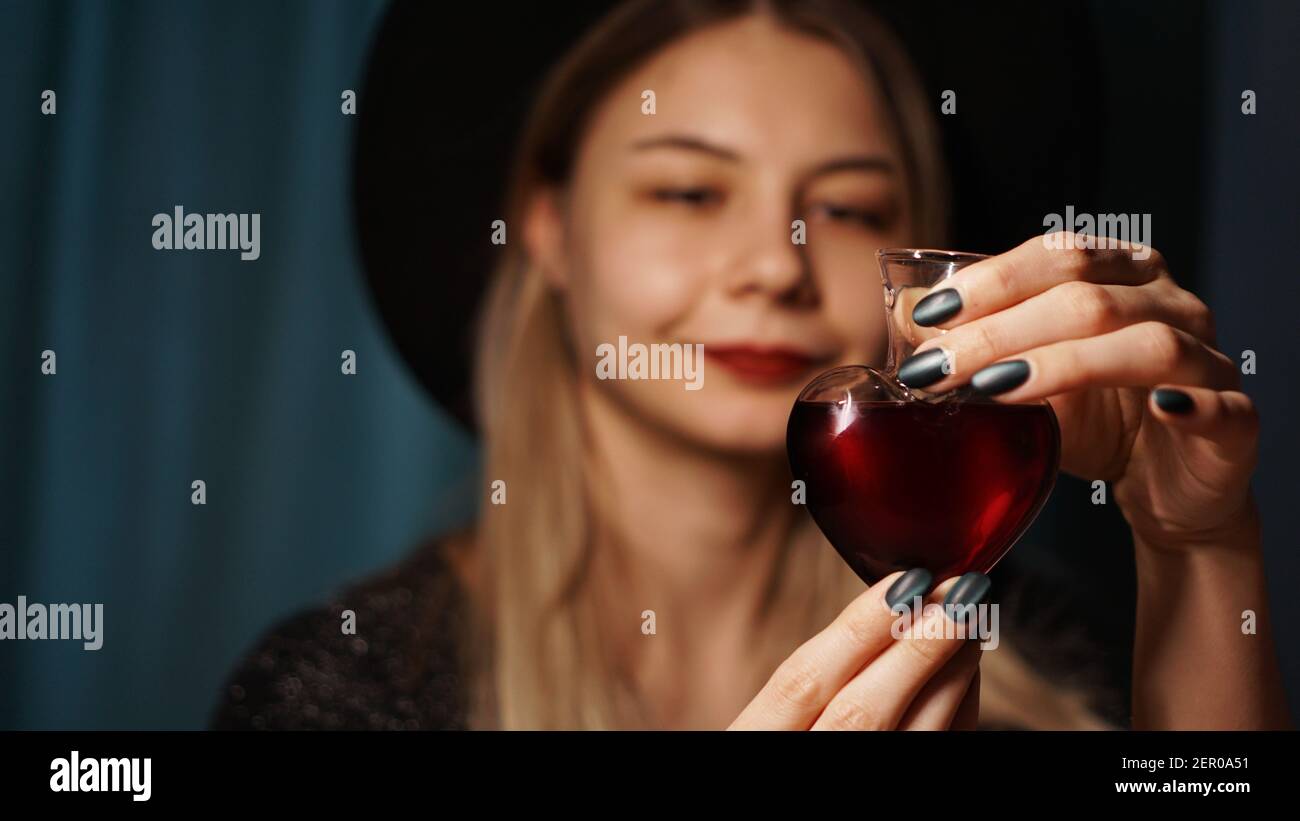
(970, 589)
(924, 368)
(1171, 401)
(939, 306)
(913, 583)
(1000, 377)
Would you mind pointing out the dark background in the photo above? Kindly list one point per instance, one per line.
(176, 366)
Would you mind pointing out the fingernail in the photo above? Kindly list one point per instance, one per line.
(937, 307)
(913, 583)
(1168, 400)
(1000, 377)
(970, 589)
(924, 368)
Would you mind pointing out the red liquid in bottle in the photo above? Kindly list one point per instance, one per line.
(948, 486)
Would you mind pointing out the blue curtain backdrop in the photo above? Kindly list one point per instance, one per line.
(183, 365)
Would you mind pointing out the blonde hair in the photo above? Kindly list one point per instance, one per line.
(536, 655)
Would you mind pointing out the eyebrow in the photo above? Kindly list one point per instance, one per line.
(863, 162)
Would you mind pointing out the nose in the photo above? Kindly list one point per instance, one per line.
(770, 261)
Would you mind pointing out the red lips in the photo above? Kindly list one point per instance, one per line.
(763, 365)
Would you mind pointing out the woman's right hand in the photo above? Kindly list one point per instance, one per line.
(854, 675)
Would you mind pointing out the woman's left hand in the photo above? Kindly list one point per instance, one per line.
(1094, 331)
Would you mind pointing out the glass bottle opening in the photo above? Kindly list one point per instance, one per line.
(927, 256)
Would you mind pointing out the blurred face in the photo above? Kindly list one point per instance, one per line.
(677, 229)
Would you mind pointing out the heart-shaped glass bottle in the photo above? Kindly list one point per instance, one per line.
(898, 478)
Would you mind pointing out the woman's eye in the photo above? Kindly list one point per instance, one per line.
(690, 196)
(857, 216)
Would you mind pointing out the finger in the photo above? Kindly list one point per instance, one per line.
(968, 713)
(937, 703)
(1033, 267)
(1148, 353)
(880, 694)
(905, 301)
(1072, 310)
(1228, 420)
(804, 684)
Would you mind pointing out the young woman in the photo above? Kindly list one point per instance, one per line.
(631, 503)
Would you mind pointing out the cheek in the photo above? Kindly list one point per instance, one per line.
(853, 301)
(637, 277)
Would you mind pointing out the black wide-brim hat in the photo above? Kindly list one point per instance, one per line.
(443, 103)
(439, 111)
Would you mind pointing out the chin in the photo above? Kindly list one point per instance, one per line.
(735, 421)
(744, 424)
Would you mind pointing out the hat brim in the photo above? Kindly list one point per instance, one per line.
(439, 111)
